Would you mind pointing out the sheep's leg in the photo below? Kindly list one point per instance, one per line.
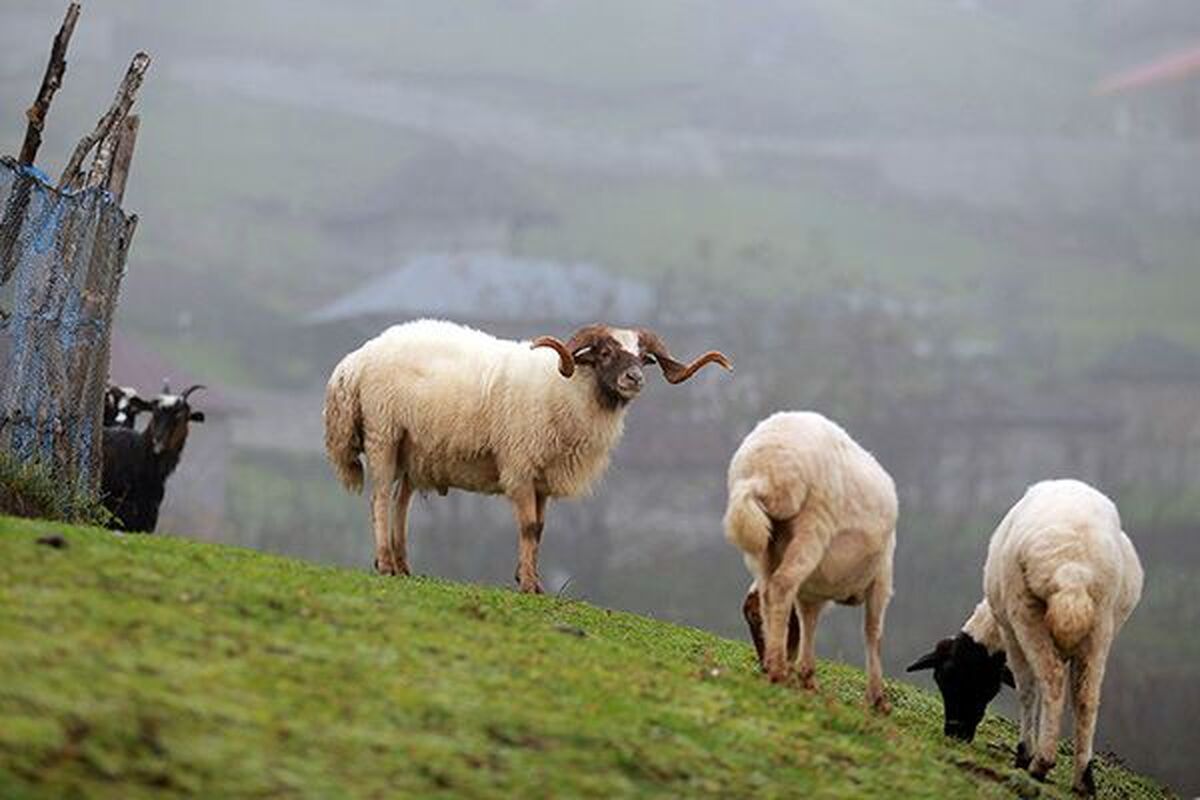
(399, 539)
(528, 510)
(801, 555)
(876, 607)
(1050, 674)
(807, 668)
(1087, 674)
(1027, 695)
(381, 459)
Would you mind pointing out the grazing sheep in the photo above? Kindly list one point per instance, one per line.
(1061, 578)
(435, 405)
(136, 464)
(122, 405)
(815, 516)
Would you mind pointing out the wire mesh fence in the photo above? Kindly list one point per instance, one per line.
(62, 256)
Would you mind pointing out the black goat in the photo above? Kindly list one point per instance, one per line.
(122, 405)
(138, 463)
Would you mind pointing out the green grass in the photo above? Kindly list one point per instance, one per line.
(32, 489)
(157, 667)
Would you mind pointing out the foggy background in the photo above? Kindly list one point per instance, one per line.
(921, 218)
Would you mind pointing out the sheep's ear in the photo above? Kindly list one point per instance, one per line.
(927, 661)
(933, 658)
(196, 416)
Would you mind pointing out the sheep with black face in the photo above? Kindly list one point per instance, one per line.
(968, 669)
(431, 405)
(136, 464)
(1060, 580)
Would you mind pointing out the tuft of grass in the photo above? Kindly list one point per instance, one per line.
(159, 667)
(30, 489)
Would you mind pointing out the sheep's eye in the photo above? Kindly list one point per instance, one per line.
(647, 360)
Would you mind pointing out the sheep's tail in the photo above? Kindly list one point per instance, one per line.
(747, 525)
(343, 425)
(1070, 611)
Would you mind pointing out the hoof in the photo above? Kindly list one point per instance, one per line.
(388, 568)
(808, 682)
(880, 705)
(1039, 769)
(778, 676)
(531, 588)
(1023, 757)
(1085, 784)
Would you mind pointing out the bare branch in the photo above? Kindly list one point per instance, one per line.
(121, 104)
(51, 80)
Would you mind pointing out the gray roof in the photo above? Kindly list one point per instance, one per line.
(1148, 358)
(495, 288)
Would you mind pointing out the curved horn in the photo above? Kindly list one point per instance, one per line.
(566, 361)
(680, 373)
(676, 371)
(191, 389)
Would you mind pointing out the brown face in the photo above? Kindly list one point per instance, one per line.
(169, 423)
(617, 355)
(752, 612)
(616, 360)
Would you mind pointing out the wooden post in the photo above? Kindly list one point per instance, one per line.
(50, 83)
(123, 156)
(73, 174)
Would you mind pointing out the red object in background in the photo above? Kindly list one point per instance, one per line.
(1166, 69)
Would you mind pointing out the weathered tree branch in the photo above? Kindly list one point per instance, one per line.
(118, 175)
(126, 93)
(50, 83)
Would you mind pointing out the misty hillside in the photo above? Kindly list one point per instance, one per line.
(158, 667)
(934, 221)
(297, 148)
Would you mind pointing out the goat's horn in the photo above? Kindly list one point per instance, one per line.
(166, 386)
(191, 389)
(566, 361)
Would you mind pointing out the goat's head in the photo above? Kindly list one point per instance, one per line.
(122, 405)
(616, 357)
(968, 677)
(168, 428)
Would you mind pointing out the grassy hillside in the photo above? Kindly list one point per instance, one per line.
(138, 666)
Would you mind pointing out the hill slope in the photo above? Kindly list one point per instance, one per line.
(151, 666)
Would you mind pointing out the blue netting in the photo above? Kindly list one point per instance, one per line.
(62, 257)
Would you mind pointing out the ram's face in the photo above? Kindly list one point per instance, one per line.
(616, 359)
(616, 356)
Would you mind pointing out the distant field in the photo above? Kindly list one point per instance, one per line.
(244, 189)
(145, 666)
